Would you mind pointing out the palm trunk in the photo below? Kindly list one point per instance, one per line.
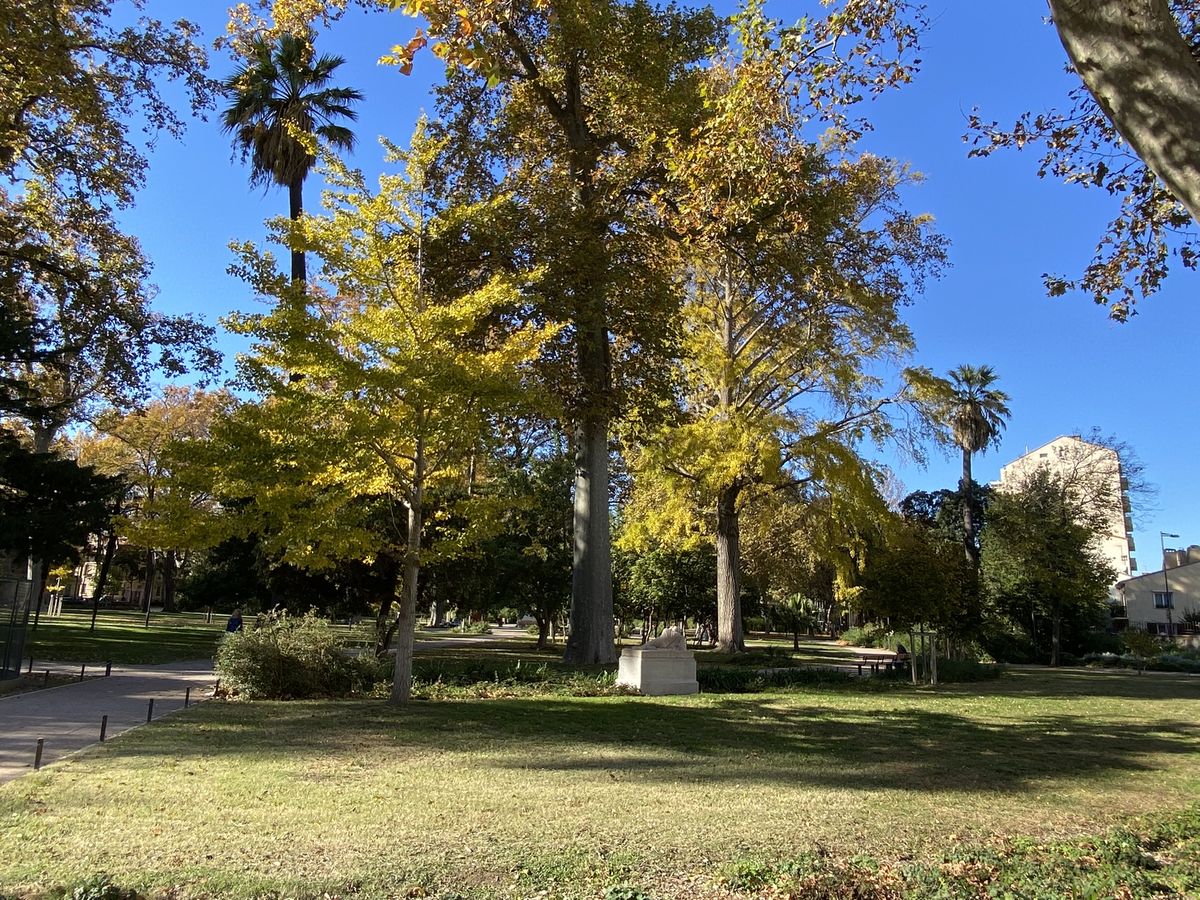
(964, 488)
(730, 638)
(295, 211)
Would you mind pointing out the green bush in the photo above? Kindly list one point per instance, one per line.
(286, 657)
(740, 680)
(474, 628)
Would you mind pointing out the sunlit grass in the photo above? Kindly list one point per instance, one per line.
(121, 636)
(509, 797)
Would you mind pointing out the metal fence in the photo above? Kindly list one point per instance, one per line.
(14, 624)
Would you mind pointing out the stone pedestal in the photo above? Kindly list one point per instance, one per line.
(658, 672)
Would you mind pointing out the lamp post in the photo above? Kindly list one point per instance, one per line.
(1162, 542)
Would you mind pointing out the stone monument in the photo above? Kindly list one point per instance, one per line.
(661, 666)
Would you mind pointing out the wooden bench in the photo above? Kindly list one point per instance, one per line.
(876, 658)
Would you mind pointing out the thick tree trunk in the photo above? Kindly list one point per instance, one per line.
(592, 639)
(730, 638)
(543, 627)
(968, 510)
(1136, 63)
(295, 210)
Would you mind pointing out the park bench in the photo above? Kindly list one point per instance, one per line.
(876, 659)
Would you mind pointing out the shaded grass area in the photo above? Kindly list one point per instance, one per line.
(122, 637)
(569, 795)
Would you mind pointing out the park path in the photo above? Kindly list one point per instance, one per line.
(67, 718)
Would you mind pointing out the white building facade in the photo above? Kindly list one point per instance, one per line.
(1168, 601)
(1092, 472)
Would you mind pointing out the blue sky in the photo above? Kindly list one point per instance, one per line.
(1065, 365)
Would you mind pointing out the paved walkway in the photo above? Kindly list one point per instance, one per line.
(67, 718)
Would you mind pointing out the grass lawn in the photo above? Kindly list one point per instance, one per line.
(568, 796)
(121, 637)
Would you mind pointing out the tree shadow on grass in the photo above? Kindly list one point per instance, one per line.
(765, 740)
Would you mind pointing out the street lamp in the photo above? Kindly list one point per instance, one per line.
(1162, 541)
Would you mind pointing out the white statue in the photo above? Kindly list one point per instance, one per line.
(672, 638)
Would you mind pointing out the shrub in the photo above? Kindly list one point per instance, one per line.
(474, 628)
(293, 657)
(740, 680)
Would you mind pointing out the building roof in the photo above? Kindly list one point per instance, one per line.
(1157, 574)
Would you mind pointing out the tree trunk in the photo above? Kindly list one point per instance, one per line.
(964, 489)
(169, 570)
(110, 548)
(543, 627)
(591, 639)
(1056, 632)
(730, 638)
(1136, 63)
(295, 210)
(406, 621)
(148, 590)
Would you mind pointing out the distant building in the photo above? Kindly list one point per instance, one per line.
(1167, 601)
(1092, 472)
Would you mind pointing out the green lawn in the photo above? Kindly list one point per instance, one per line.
(506, 798)
(122, 637)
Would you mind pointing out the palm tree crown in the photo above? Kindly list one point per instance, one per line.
(977, 412)
(281, 87)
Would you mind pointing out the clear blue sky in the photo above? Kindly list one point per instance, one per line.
(1066, 366)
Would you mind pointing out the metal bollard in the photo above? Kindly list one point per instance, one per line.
(37, 754)
(46, 679)
(30, 672)
(187, 698)
(108, 668)
(81, 668)
(103, 727)
(150, 710)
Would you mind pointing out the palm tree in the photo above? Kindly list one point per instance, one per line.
(282, 85)
(976, 414)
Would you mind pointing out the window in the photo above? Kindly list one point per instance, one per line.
(1164, 599)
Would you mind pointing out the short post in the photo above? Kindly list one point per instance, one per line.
(150, 710)
(46, 679)
(108, 668)
(30, 672)
(37, 754)
(187, 698)
(103, 727)
(82, 666)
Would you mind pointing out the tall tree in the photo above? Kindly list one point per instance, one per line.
(379, 385)
(798, 257)
(140, 447)
(976, 414)
(280, 94)
(1040, 560)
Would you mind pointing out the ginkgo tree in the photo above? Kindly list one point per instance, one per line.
(798, 257)
(380, 379)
